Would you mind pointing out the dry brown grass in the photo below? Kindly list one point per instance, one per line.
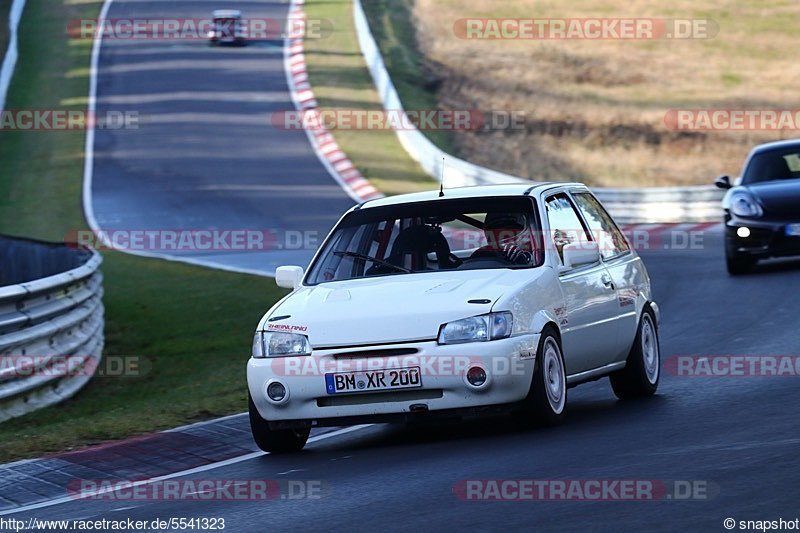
(594, 110)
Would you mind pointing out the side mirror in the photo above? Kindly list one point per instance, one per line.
(581, 253)
(288, 277)
(723, 182)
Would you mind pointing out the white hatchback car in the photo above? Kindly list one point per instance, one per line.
(485, 299)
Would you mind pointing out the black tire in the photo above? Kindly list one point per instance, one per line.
(642, 371)
(737, 264)
(546, 402)
(275, 440)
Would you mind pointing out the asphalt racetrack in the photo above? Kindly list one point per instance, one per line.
(735, 437)
(205, 156)
(204, 153)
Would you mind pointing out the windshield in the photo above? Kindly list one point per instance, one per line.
(783, 164)
(226, 25)
(459, 234)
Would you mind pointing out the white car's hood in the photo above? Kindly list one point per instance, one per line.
(386, 309)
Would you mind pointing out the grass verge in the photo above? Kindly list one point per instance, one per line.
(190, 326)
(340, 80)
(595, 109)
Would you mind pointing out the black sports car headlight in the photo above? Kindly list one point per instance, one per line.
(744, 205)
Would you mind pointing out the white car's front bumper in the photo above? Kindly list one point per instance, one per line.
(508, 364)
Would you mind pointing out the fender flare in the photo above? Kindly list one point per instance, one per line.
(542, 318)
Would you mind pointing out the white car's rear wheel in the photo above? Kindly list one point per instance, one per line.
(547, 399)
(275, 440)
(643, 369)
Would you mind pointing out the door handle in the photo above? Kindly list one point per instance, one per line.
(607, 281)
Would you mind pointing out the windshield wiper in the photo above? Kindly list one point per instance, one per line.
(374, 260)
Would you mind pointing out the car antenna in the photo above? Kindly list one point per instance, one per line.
(441, 181)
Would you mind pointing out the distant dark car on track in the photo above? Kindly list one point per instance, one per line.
(762, 207)
(227, 28)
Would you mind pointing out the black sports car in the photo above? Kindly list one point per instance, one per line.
(762, 207)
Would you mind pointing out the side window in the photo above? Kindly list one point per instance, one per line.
(565, 225)
(603, 228)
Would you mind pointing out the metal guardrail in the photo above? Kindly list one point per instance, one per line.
(628, 206)
(51, 323)
(663, 204)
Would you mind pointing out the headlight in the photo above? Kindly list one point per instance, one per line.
(744, 205)
(477, 329)
(279, 344)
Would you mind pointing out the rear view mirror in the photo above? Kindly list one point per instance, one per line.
(723, 182)
(288, 277)
(581, 253)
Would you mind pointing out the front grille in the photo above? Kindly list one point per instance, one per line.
(389, 352)
(379, 397)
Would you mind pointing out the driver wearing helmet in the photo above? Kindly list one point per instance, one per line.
(507, 237)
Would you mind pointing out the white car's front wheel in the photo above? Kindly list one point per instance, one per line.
(642, 371)
(547, 399)
(275, 440)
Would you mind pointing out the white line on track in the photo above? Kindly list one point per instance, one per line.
(9, 61)
(204, 468)
(88, 171)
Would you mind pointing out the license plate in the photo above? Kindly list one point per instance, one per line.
(373, 380)
(793, 230)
